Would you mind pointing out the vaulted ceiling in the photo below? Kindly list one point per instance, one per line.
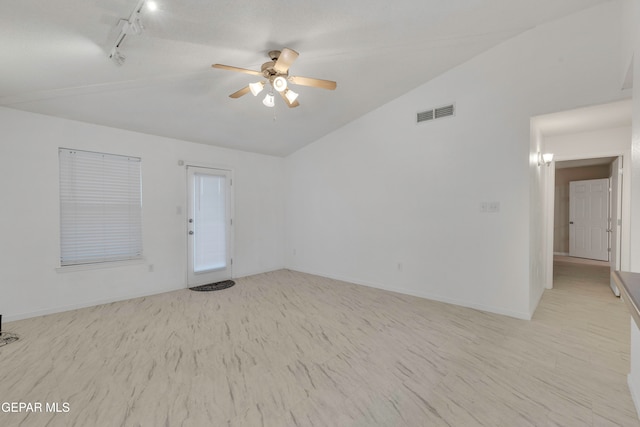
(55, 60)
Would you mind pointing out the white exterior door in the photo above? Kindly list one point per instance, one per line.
(588, 219)
(208, 225)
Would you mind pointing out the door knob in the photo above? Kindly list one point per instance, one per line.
(190, 231)
(570, 222)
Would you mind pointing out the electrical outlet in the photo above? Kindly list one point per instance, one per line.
(494, 207)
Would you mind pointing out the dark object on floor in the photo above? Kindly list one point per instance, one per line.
(214, 286)
(7, 338)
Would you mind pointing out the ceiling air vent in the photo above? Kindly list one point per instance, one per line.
(437, 113)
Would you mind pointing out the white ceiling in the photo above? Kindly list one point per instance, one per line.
(54, 60)
(585, 162)
(587, 119)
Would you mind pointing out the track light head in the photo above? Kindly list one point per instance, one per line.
(117, 57)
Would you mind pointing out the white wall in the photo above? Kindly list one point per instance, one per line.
(382, 190)
(540, 177)
(635, 145)
(633, 379)
(633, 33)
(29, 252)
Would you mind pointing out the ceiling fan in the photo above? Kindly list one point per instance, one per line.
(276, 73)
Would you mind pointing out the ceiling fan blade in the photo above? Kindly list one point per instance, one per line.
(240, 70)
(308, 81)
(289, 104)
(245, 90)
(286, 58)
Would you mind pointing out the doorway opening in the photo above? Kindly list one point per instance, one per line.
(593, 134)
(587, 216)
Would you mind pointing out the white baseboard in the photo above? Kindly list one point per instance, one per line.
(561, 253)
(537, 303)
(425, 295)
(406, 291)
(85, 304)
(255, 272)
(634, 395)
(91, 303)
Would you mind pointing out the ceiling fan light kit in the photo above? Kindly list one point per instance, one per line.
(279, 83)
(269, 100)
(276, 72)
(291, 95)
(256, 88)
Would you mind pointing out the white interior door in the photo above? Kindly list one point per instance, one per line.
(588, 219)
(208, 225)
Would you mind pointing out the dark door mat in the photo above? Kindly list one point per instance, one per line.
(214, 286)
(7, 338)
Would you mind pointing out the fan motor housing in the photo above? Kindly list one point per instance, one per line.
(269, 72)
(274, 55)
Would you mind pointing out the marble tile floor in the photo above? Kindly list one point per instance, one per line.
(290, 349)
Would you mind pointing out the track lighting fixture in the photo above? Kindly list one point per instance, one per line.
(117, 57)
(132, 25)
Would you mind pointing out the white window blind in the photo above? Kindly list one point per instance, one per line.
(100, 207)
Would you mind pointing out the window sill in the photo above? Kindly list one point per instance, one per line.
(100, 265)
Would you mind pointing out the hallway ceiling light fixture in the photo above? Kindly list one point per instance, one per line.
(545, 158)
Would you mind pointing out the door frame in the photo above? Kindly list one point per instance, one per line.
(625, 242)
(616, 229)
(185, 212)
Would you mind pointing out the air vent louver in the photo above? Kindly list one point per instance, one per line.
(425, 115)
(444, 111)
(437, 113)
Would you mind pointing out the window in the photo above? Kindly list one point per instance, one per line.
(100, 207)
